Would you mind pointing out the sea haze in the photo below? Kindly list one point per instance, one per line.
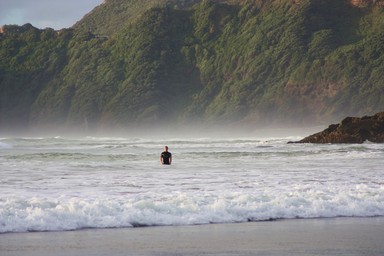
(62, 183)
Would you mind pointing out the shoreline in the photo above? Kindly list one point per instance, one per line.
(321, 236)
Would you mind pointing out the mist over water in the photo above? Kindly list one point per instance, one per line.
(69, 183)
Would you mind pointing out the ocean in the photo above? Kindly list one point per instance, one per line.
(75, 183)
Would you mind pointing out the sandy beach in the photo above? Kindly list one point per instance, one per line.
(340, 236)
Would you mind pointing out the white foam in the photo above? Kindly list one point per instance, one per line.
(42, 214)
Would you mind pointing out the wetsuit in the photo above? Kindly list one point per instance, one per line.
(166, 156)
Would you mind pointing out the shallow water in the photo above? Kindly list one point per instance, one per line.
(304, 237)
(61, 183)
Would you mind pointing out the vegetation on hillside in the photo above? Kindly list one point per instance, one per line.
(254, 62)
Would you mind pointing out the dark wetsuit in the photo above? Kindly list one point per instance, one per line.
(166, 157)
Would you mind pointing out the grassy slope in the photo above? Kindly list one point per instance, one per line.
(257, 62)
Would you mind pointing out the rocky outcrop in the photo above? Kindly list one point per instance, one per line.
(351, 130)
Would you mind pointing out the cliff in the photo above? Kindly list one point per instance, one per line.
(256, 63)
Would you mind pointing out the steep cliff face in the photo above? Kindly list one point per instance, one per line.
(244, 62)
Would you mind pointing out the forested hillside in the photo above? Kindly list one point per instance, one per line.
(130, 63)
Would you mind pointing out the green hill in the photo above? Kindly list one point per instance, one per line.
(130, 63)
(112, 15)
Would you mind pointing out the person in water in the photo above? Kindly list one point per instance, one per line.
(166, 156)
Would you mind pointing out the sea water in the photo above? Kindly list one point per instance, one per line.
(63, 183)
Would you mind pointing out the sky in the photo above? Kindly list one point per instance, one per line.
(56, 14)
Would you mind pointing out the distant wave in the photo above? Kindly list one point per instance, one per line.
(5, 145)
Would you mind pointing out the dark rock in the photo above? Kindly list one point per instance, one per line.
(351, 130)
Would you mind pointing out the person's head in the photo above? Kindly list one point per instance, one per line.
(166, 148)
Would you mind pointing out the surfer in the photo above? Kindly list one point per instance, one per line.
(166, 156)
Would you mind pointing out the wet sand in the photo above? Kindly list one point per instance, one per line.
(340, 236)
